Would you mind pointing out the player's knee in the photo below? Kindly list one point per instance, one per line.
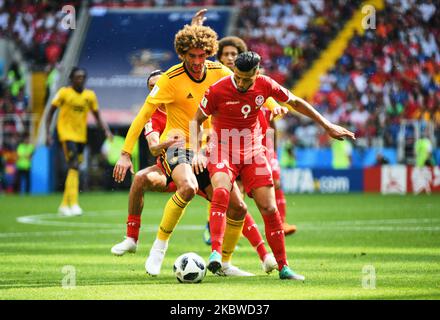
(268, 209)
(141, 181)
(237, 210)
(187, 190)
(73, 164)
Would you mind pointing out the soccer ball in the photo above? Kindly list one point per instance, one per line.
(189, 268)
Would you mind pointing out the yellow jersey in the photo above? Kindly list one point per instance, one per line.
(181, 94)
(73, 109)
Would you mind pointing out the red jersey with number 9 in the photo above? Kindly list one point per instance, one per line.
(234, 110)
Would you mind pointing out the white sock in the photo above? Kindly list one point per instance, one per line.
(160, 244)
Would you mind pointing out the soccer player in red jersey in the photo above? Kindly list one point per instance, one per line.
(234, 103)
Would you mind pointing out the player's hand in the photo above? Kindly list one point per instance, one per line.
(109, 136)
(279, 111)
(339, 133)
(176, 142)
(121, 167)
(199, 17)
(199, 163)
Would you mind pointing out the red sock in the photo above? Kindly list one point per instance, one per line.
(275, 237)
(171, 187)
(281, 204)
(133, 226)
(217, 217)
(251, 232)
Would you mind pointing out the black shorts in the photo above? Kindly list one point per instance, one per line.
(73, 152)
(171, 158)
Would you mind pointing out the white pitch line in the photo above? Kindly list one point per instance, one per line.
(392, 225)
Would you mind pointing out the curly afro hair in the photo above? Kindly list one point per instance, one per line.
(196, 37)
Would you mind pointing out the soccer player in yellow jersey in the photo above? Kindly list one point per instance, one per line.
(74, 102)
(180, 89)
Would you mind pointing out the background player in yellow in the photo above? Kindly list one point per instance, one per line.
(74, 102)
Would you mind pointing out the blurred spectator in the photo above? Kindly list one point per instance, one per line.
(25, 151)
(287, 159)
(381, 159)
(341, 153)
(423, 151)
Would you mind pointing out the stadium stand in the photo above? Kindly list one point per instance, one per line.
(35, 32)
(386, 85)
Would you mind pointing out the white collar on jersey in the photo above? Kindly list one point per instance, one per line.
(233, 82)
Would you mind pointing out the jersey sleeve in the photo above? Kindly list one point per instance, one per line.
(155, 124)
(270, 103)
(207, 105)
(137, 125)
(59, 98)
(93, 101)
(277, 91)
(162, 93)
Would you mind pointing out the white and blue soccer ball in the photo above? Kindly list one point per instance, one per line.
(189, 268)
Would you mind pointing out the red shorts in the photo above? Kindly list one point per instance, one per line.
(254, 173)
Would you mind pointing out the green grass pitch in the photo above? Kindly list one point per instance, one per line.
(353, 246)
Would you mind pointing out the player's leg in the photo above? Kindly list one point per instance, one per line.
(221, 185)
(186, 184)
(252, 233)
(279, 195)
(264, 197)
(148, 179)
(73, 155)
(235, 217)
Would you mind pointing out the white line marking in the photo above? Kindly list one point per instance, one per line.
(46, 219)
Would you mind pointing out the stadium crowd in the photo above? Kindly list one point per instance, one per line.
(35, 27)
(387, 75)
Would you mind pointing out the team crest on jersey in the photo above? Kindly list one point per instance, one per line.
(220, 165)
(259, 100)
(204, 102)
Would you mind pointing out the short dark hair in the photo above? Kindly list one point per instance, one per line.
(153, 74)
(233, 42)
(76, 69)
(247, 61)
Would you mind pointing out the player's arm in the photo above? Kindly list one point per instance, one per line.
(333, 130)
(102, 124)
(199, 17)
(57, 102)
(156, 148)
(124, 161)
(199, 160)
(48, 122)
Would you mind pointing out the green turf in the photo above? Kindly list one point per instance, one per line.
(339, 236)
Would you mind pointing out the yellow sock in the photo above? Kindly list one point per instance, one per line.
(209, 210)
(230, 240)
(70, 196)
(74, 186)
(174, 209)
(65, 201)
